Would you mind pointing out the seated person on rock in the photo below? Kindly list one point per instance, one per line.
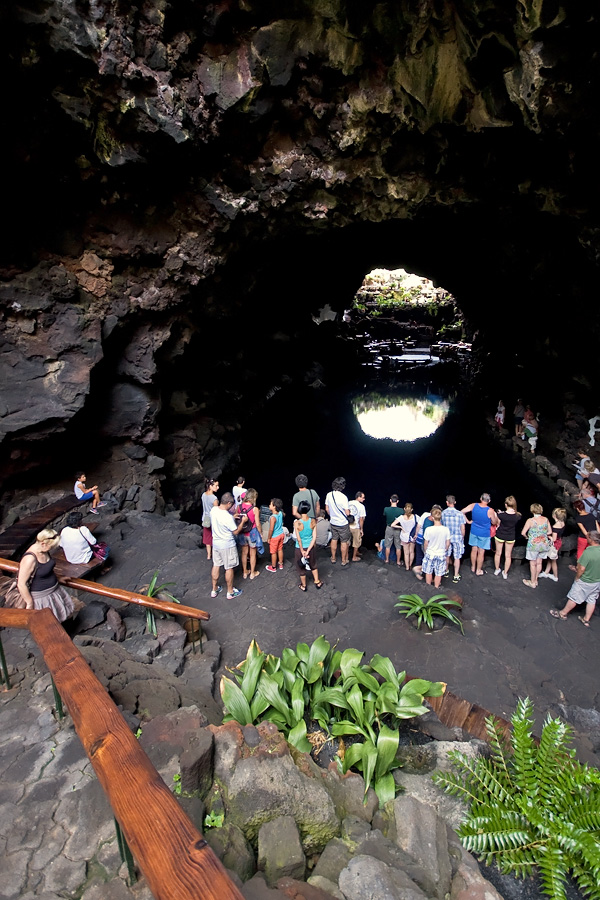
(83, 493)
(76, 540)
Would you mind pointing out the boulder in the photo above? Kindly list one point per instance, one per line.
(469, 884)
(333, 859)
(348, 794)
(421, 833)
(261, 783)
(233, 849)
(280, 851)
(366, 878)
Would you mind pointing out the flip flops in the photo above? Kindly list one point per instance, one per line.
(556, 615)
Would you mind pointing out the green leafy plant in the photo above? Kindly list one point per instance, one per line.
(424, 611)
(531, 805)
(342, 694)
(177, 784)
(213, 820)
(158, 592)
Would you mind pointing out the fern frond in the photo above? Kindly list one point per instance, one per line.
(553, 872)
(551, 756)
(587, 884)
(579, 844)
(524, 750)
(453, 784)
(584, 812)
(501, 750)
(495, 831)
(483, 778)
(521, 863)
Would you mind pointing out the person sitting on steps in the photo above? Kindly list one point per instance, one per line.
(83, 493)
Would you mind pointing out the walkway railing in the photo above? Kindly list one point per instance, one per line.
(176, 861)
(103, 590)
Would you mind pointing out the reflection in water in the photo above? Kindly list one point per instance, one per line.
(400, 418)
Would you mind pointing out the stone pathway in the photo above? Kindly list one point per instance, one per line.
(56, 830)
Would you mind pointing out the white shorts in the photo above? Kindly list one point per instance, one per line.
(226, 557)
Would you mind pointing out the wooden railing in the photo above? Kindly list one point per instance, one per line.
(103, 590)
(175, 859)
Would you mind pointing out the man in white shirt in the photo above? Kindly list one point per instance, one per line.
(338, 510)
(357, 509)
(224, 528)
(436, 542)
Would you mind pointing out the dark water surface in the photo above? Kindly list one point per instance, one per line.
(315, 431)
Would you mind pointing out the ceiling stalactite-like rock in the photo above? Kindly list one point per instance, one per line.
(178, 169)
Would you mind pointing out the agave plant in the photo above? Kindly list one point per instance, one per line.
(343, 695)
(424, 611)
(531, 805)
(156, 590)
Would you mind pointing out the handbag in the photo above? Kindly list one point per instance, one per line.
(205, 521)
(552, 553)
(100, 550)
(13, 599)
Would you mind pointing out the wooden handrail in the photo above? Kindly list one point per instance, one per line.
(175, 859)
(79, 584)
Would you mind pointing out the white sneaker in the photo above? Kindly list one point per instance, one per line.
(543, 575)
(553, 577)
(497, 571)
(504, 575)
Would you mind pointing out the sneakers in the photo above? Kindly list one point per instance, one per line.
(544, 575)
(214, 594)
(280, 566)
(497, 571)
(102, 503)
(234, 593)
(270, 568)
(446, 574)
(553, 577)
(94, 511)
(456, 579)
(504, 575)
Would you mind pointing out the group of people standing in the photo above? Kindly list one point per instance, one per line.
(233, 527)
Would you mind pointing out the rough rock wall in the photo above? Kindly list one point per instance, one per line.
(177, 167)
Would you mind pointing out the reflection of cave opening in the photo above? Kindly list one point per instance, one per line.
(400, 417)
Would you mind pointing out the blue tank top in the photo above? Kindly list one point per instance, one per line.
(278, 527)
(481, 521)
(305, 534)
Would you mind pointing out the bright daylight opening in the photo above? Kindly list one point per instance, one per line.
(398, 417)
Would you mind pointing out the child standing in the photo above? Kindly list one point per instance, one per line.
(305, 533)
(560, 517)
(276, 534)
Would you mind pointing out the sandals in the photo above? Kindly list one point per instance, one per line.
(333, 562)
(556, 615)
(302, 587)
(255, 575)
(529, 583)
(583, 622)
(318, 585)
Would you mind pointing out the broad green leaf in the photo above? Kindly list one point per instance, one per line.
(408, 697)
(353, 758)
(417, 686)
(318, 651)
(272, 664)
(303, 652)
(332, 664)
(436, 689)
(345, 727)
(258, 706)
(252, 670)
(298, 701)
(289, 660)
(276, 718)
(314, 673)
(369, 761)
(387, 747)
(355, 699)
(297, 737)
(365, 679)
(384, 667)
(385, 788)
(335, 696)
(349, 659)
(271, 691)
(235, 701)
(409, 712)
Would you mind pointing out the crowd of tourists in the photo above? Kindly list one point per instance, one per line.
(431, 545)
